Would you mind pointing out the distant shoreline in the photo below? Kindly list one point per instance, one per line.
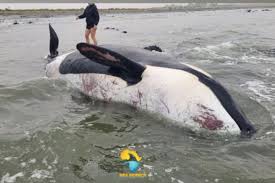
(46, 13)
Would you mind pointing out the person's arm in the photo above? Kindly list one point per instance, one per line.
(82, 16)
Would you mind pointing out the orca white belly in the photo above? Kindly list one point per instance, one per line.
(175, 94)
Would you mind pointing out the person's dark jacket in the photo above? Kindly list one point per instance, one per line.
(91, 14)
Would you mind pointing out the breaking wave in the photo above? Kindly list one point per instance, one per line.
(261, 90)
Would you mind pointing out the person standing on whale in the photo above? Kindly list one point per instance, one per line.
(92, 18)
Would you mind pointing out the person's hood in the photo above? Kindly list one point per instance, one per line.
(90, 2)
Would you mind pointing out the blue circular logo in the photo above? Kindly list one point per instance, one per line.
(133, 166)
(131, 159)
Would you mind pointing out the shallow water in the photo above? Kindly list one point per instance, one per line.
(49, 132)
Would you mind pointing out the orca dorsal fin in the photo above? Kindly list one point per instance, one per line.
(128, 70)
(54, 41)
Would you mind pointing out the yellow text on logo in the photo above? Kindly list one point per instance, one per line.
(132, 175)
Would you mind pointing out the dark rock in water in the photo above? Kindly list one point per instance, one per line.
(269, 53)
(15, 22)
(115, 29)
(251, 11)
(153, 48)
(30, 22)
(111, 28)
(266, 10)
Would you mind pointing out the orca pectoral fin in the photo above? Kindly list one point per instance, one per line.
(126, 68)
(101, 55)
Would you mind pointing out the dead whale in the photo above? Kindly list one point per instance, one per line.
(152, 82)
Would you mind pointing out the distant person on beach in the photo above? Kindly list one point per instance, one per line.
(92, 18)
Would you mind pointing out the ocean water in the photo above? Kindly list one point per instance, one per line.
(50, 132)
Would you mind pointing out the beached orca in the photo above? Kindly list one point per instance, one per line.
(152, 82)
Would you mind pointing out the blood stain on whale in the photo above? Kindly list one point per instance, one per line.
(88, 85)
(208, 120)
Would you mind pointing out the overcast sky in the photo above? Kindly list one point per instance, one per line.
(135, 1)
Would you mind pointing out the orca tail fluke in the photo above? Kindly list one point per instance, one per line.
(54, 41)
